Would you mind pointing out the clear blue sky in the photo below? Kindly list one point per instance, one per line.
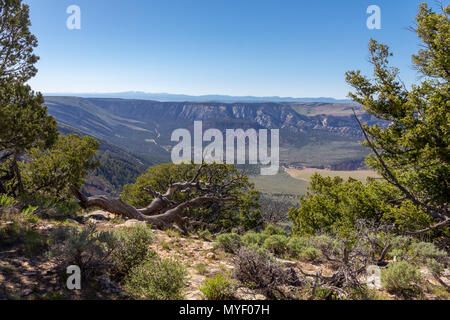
(293, 48)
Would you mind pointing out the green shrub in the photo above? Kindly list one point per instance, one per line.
(6, 201)
(50, 207)
(326, 245)
(29, 214)
(156, 279)
(205, 235)
(320, 293)
(47, 170)
(229, 242)
(201, 268)
(132, 248)
(422, 251)
(272, 230)
(260, 249)
(32, 219)
(35, 243)
(425, 253)
(276, 244)
(219, 287)
(323, 242)
(29, 210)
(165, 246)
(253, 238)
(400, 278)
(304, 248)
(309, 254)
(400, 247)
(86, 248)
(296, 244)
(420, 254)
(173, 233)
(436, 268)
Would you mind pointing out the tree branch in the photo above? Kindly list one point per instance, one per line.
(431, 210)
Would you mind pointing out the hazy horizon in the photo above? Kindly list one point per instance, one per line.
(263, 49)
(178, 96)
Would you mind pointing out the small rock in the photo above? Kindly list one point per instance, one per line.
(211, 255)
(373, 280)
(46, 227)
(248, 294)
(98, 215)
(27, 292)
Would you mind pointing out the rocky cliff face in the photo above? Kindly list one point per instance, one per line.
(146, 115)
(145, 127)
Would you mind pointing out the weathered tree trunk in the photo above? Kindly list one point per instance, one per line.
(161, 213)
(15, 168)
(8, 176)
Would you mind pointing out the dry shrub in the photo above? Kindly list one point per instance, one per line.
(260, 271)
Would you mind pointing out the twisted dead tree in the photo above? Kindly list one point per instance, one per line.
(350, 257)
(163, 212)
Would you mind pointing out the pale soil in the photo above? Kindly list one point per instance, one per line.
(22, 277)
(191, 252)
(306, 173)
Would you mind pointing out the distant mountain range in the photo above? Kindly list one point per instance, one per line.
(145, 127)
(167, 97)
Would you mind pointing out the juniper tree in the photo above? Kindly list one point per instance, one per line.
(24, 122)
(51, 172)
(16, 42)
(412, 152)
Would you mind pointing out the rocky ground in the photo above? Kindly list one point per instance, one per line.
(24, 276)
